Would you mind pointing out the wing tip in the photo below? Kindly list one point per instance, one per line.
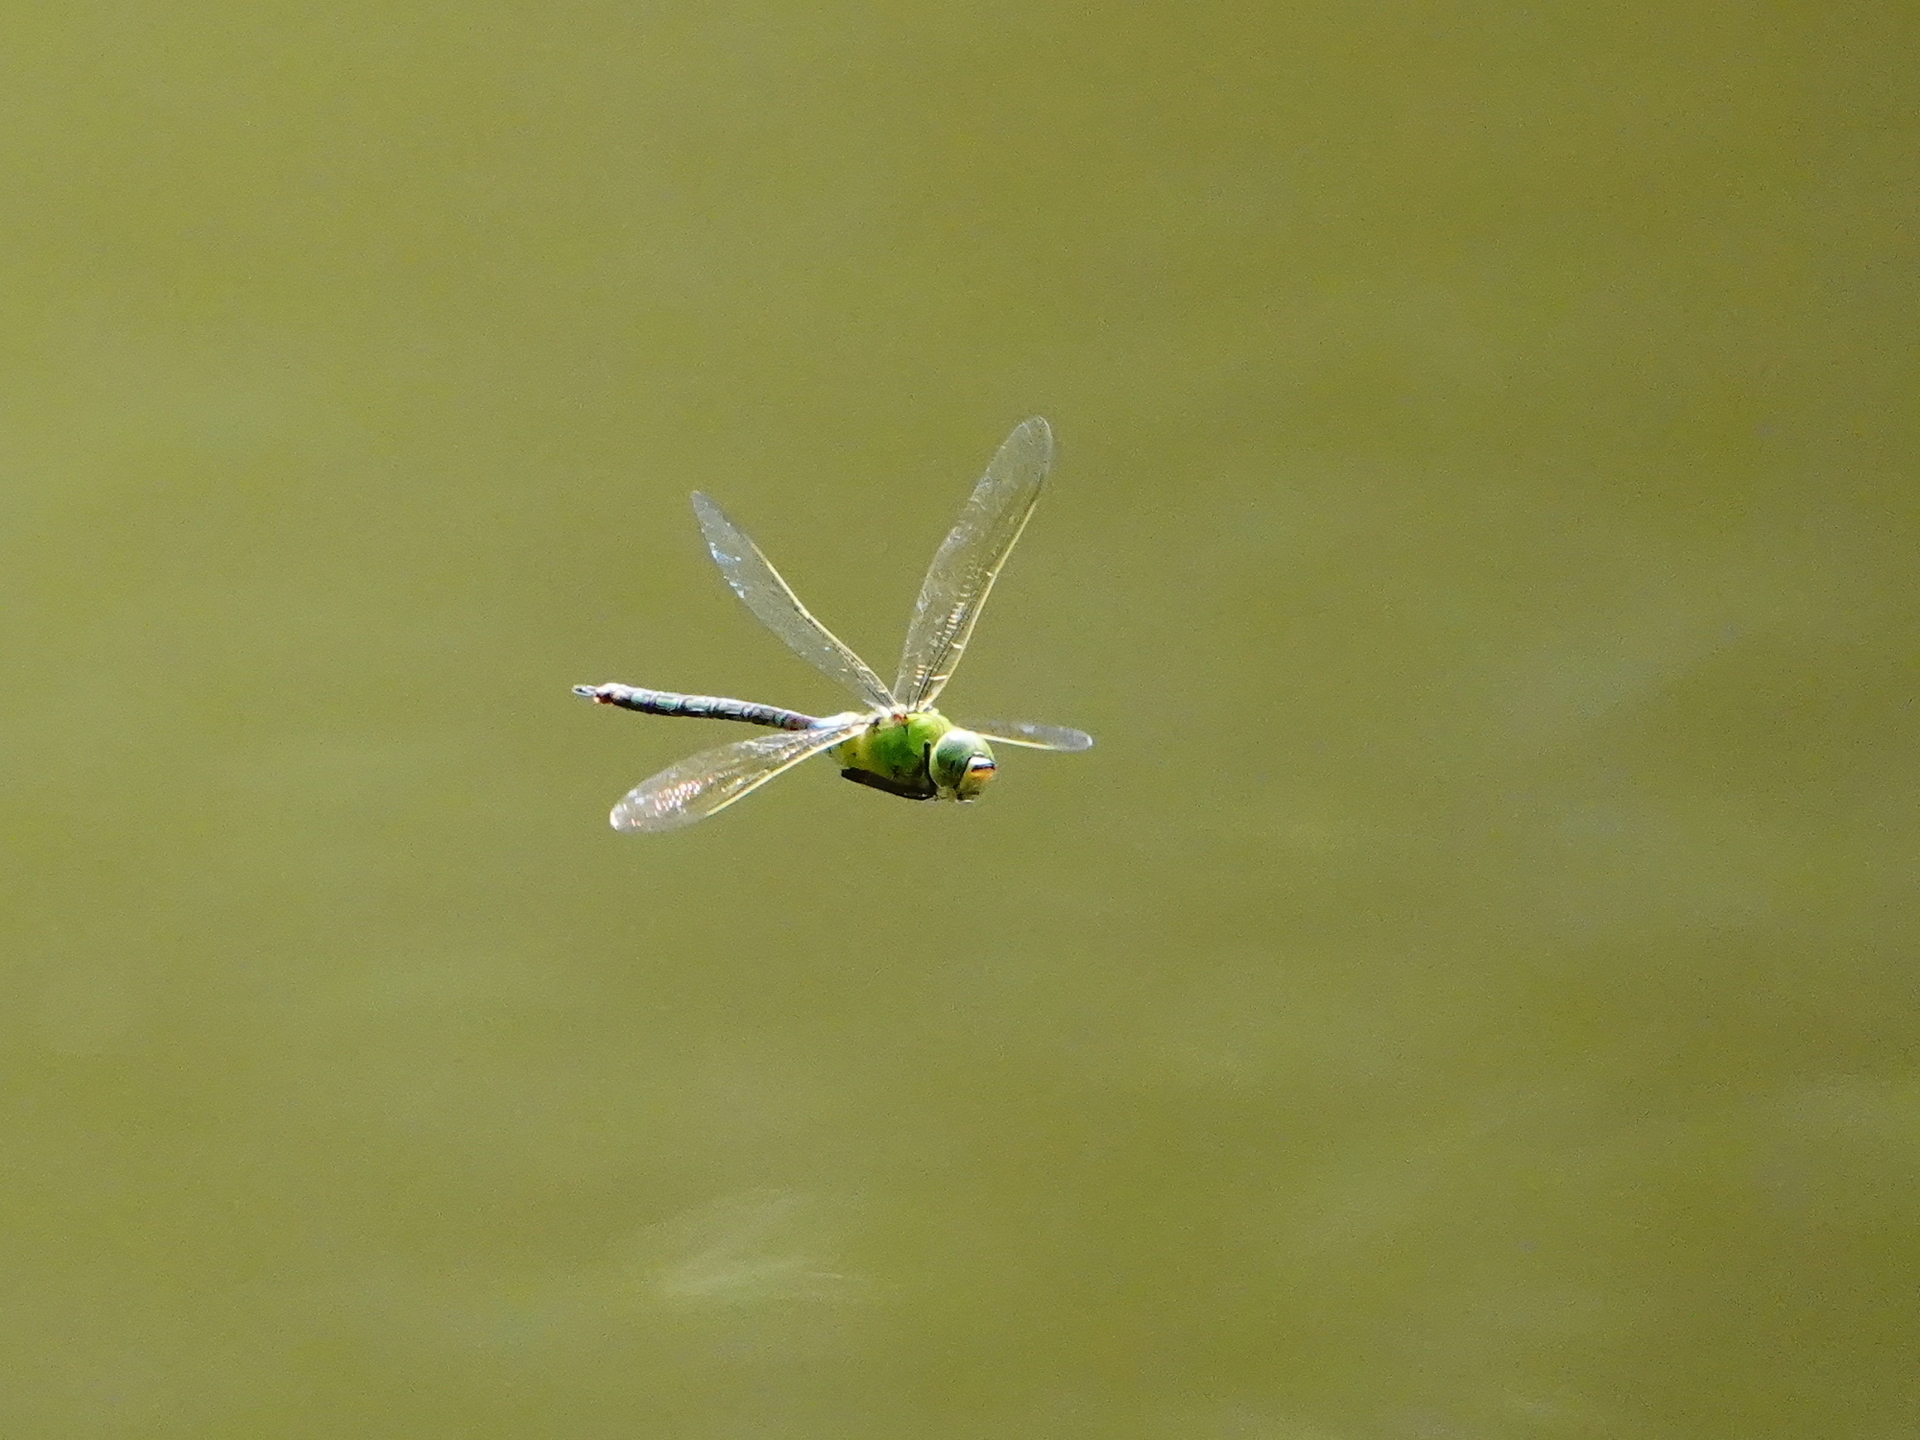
(1037, 429)
(633, 820)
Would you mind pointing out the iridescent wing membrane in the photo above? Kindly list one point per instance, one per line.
(705, 784)
(969, 560)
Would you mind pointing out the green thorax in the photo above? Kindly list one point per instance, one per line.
(920, 756)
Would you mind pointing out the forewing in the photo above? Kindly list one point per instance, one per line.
(707, 783)
(964, 569)
(1034, 737)
(754, 580)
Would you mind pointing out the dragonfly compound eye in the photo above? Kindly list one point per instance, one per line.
(960, 764)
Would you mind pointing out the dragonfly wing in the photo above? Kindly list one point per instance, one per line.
(964, 569)
(707, 783)
(1034, 737)
(754, 580)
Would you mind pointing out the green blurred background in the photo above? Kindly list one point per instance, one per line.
(1469, 992)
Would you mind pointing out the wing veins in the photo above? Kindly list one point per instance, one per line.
(751, 576)
(707, 783)
(969, 561)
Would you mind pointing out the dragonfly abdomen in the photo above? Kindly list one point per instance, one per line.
(701, 707)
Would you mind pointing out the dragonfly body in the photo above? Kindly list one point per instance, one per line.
(920, 756)
(899, 743)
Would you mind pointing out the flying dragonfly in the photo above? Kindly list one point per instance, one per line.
(897, 742)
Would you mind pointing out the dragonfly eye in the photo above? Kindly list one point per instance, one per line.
(961, 764)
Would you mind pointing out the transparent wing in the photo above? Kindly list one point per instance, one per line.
(704, 784)
(1034, 737)
(964, 569)
(769, 597)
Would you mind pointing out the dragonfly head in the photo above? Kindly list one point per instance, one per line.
(961, 764)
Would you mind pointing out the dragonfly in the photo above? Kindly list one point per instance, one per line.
(897, 742)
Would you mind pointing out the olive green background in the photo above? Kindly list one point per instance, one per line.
(1470, 991)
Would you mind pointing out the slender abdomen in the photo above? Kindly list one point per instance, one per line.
(700, 707)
